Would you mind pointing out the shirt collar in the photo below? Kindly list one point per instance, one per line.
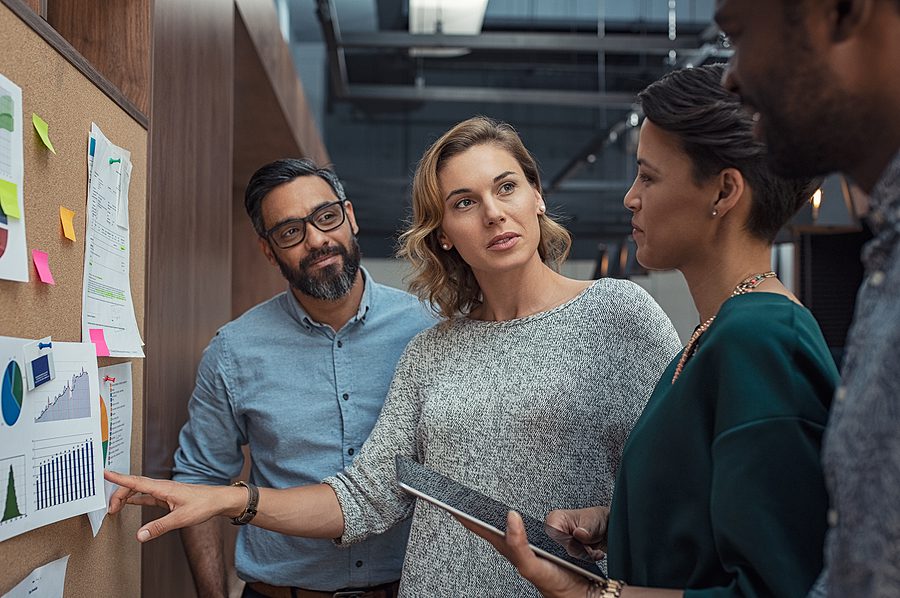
(885, 197)
(365, 303)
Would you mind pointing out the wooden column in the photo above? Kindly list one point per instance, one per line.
(189, 236)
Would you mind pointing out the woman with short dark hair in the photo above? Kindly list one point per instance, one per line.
(720, 492)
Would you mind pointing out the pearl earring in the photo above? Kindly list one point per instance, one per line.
(715, 213)
(445, 247)
(542, 208)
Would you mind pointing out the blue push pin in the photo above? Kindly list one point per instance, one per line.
(44, 346)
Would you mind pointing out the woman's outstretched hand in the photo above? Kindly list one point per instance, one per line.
(188, 504)
(552, 580)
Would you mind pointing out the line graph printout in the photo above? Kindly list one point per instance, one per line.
(72, 402)
(51, 455)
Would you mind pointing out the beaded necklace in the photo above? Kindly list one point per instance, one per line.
(742, 288)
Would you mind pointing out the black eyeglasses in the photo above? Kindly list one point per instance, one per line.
(290, 233)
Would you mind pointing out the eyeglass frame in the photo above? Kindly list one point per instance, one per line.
(309, 220)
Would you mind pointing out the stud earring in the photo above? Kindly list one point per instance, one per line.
(542, 208)
(715, 213)
(445, 247)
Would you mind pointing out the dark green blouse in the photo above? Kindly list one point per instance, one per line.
(721, 489)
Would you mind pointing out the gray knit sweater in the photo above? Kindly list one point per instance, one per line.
(533, 412)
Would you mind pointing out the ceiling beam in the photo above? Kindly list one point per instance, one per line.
(489, 95)
(524, 41)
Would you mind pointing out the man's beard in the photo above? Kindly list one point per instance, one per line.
(329, 283)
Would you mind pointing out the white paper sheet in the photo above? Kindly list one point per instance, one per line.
(106, 295)
(116, 399)
(47, 581)
(51, 454)
(13, 256)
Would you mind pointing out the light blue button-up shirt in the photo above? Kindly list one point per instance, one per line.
(305, 398)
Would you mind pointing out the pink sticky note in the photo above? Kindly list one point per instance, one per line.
(43, 267)
(99, 341)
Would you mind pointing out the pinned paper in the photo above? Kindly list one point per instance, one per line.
(65, 216)
(40, 367)
(43, 266)
(41, 126)
(99, 340)
(9, 199)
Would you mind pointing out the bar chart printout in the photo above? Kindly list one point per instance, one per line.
(64, 471)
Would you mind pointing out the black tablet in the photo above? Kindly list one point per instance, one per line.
(486, 512)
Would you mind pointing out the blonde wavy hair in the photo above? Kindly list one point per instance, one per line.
(441, 277)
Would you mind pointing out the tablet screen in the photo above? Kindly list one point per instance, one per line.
(461, 500)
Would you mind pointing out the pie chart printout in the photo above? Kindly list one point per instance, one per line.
(11, 393)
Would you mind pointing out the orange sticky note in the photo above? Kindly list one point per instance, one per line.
(43, 267)
(65, 216)
(99, 341)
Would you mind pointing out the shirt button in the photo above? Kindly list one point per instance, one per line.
(877, 278)
(340, 344)
(832, 517)
(840, 394)
(359, 563)
(350, 452)
(346, 397)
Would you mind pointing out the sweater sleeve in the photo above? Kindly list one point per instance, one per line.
(768, 498)
(367, 491)
(646, 344)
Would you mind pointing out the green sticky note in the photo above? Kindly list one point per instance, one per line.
(9, 199)
(41, 126)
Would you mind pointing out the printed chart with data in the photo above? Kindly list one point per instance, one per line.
(51, 443)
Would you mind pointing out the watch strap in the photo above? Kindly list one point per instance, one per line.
(252, 502)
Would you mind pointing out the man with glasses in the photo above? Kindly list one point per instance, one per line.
(823, 79)
(301, 379)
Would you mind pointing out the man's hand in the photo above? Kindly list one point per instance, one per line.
(188, 504)
(587, 527)
(552, 580)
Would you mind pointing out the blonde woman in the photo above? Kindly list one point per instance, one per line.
(526, 392)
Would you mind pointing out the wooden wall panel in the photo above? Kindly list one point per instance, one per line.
(116, 41)
(189, 237)
(272, 120)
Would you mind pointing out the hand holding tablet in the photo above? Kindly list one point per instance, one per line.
(486, 513)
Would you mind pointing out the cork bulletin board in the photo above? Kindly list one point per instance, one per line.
(108, 565)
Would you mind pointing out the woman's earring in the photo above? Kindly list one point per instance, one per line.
(542, 208)
(445, 247)
(715, 212)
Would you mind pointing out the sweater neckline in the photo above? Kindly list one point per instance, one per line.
(531, 317)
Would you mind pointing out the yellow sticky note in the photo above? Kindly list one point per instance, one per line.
(65, 216)
(9, 199)
(41, 126)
